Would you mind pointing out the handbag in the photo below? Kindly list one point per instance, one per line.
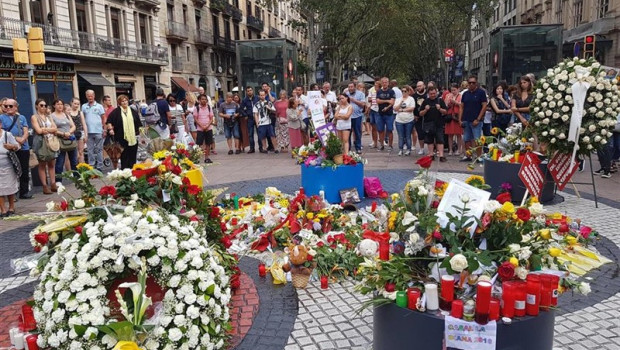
(13, 157)
(32, 161)
(68, 145)
(52, 142)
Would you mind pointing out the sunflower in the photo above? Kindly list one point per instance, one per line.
(475, 180)
(495, 131)
(483, 140)
(84, 166)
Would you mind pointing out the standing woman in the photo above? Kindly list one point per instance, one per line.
(294, 118)
(282, 134)
(404, 120)
(178, 118)
(501, 108)
(44, 128)
(124, 123)
(342, 116)
(65, 129)
(453, 127)
(521, 101)
(189, 114)
(80, 127)
(9, 185)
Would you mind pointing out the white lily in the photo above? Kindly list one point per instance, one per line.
(409, 219)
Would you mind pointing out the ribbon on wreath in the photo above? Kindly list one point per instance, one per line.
(265, 239)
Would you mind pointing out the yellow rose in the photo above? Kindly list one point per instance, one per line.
(556, 216)
(545, 233)
(508, 208)
(310, 216)
(555, 252)
(514, 261)
(571, 239)
(395, 197)
(126, 345)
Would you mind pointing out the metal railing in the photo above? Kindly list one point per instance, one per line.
(224, 43)
(204, 36)
(177, 64)
(88, 44)
(274, 33)
(255, 23)
(177, 30)
(236, 14)
(217, 5)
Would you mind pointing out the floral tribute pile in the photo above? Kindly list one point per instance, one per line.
(137, 260)
(315, 154)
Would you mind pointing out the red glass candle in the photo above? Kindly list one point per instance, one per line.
(494, 309)
(447, 292)
(508, 299)
(546, 291)
(457, 308)
(413, 294)
(234, 221)
(324, 282)
(520, 293)
(28, 318)
(483, 299)
(555, 285)
(373, 207)
(31, 342)
(262, 271)
(532, 299)
(384, 250)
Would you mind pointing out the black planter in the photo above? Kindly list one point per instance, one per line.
(399, 328)
(496, 173)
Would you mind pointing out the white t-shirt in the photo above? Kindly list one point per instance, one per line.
(397, 94)
(303, 105)
(261, 108)
(372, 97)
(405, 117)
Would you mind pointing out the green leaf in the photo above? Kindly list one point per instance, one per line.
(211, 290)
(123, 330)
(80, 330)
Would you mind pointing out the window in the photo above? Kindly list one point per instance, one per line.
(249, 8)
(187, 53)
(36, 12)
(227, 29)
(142, 24)
(185, 14)
(559, 14)
(578, 13)
(170, 9)
(115, 15)
(237, 31)
(603, 8)
(216, 26)
(80, 13)
(198, 18)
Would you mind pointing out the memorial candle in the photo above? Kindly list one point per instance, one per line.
(508, 299)
(413, 294)
(432, 298)
(457, 309)
(447, 292)
(401, 299)
(28, 318)
(262, 271)
(546, 291)
(324, 282)
(302, 191)
(384, 250)
(30, 341)
(19, 341)
(494, 310)
(236, 201)
(555, 284)
(234, 221)
(532, 304)
(495, 153)
(520, 298)
(483, 299)
(517, 154)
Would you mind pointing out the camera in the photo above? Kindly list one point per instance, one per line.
(403, 105)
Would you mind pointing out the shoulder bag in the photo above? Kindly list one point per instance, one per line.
(13, 157)
(42, 146)
(70, 144)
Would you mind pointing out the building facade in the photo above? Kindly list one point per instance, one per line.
(112, 47)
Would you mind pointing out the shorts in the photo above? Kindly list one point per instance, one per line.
(265, 131)
(433, 134)
(231, 130)
(385, 122)
(471, 132)
(204, 137)
(373, 116)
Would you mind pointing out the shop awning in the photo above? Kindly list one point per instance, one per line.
(183, 84)
(157, 85)
(95, 79)
(126, 79)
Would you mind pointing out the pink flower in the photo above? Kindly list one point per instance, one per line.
(585, 231)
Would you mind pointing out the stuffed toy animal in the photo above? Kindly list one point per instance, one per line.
(298, 254)
(367, 248)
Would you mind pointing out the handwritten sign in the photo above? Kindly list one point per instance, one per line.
(560, 169)
(315, 105)
(324, 131)
(466, 335)
(453, 199)
(531, 175)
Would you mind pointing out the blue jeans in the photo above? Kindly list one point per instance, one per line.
(471, 132)
(385, 123)
(374, 117)
(60, 161)
(94, 143)
(404, 134)
(251, 127)
(356, 127)
(231, 131)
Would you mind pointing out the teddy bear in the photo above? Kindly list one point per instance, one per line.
(367, 248)
(298, 254)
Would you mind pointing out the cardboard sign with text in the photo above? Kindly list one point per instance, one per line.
(460, 334)
(560, 169)
(531, 175)
(315, 105)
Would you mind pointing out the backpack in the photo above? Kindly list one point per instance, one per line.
(151, 114)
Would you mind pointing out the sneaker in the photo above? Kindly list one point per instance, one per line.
(238, 151)
(276, 151)
(450, 154)
(421, 152)
(606, 175)
(408, 153)
(213, 152)
(465, 159)
(443, 159)
(263, 151)
(390, 148)
(208, 161)
(400, 153)
(372, 145)
(230, 152)
(385, 143)
(251, 151)
(599, 172)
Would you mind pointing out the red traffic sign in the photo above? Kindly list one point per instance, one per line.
(560, 169)
(531, 175)
(448, 53)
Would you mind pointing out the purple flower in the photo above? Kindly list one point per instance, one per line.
(506, 186)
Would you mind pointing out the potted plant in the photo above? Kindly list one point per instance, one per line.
(333, 149)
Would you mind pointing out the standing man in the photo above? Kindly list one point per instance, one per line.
(247, 107)
(385, 124)
(302, 103)
(270, 96)
(330, 97)
(374, 111)
(165, 116)
(432, 110)
(229, 111)
(473, 106)
(419, 96)
(358, 101)
(17, 125)
(107, 107)
(261, 110)
(94, 116)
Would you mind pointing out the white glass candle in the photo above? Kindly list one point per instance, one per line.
(432, 298)
(19, 341)
(12, 333)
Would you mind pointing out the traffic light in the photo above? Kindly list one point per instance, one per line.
(36, 46)
(20, 50)
(589, 46)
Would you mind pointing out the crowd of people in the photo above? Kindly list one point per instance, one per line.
(427, 118)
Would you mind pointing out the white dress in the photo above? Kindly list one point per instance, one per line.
(10, 182)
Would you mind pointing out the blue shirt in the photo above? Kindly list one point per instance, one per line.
(163, 108)
(472, 104)
(18, 128)
(357, 110)
(92, 117)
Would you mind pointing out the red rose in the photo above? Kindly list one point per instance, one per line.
(309, 258)
(78, 230)
(193, 190)
(585, 231)
(503, 197)
(506, 271)
(64, 205)
(390, 287)
(194, 218)
(523, 214)
(320, 244)
(435, 204)
(172, 136)
(563, 228)
(437, 235)
(42, 238)
(37, 248)
(425, 162)
(330, 239)
(107, 191)
(215, 212)
(152, 181)
(226, 242)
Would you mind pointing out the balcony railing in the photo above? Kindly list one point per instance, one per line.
(217, 5)
(177, 64)
(177, 30)
(224, 43)
(236, 14)
(60, 40)
(204, 37)
(274, 33)
(255, 23)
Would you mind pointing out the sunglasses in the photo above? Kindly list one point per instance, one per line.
(42, 105)
(8, 106)
(172, 100)
(471, 82)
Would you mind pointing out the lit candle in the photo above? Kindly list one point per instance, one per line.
(495, 153)
(447, 292)
(508, 299)
(262, 271)
(532, 299)
(546, 291)
(28, 318)
(468, 310)
(401, 299)
(413, 294)
(12, 333)
(432, 298)
(324, 282)
(494, 309)
(457, 309)
(483, 299)
(384, 250)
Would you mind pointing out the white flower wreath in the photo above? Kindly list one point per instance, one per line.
(553, 102)
(70, 300)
